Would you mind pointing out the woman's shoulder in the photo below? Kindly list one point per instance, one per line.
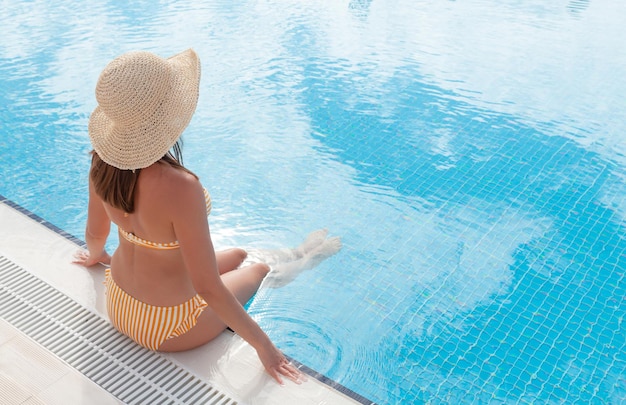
(166, 177)
(180, 184)
(169, 185)
(183, 195)
(180, 177)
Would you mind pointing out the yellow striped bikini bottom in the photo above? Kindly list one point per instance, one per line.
(146, 324)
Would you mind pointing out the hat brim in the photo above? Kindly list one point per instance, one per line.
(140, 145)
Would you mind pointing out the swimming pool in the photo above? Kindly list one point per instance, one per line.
(470, 155)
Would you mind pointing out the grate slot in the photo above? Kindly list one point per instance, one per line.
(175, 381)
(141, 364)
(100, 338)
(107, 369)
(147, 398)
(182, 387)
(83, 325)
(78, 355)
(188, 391)
(131, 351)
(45, 332)
(114, 385)
(209, 397)
(151, 398)
(64, 313)
(70, 351)
(110, 343)
(130, 390)
(161, 374)
(92, 363)
(87, 342)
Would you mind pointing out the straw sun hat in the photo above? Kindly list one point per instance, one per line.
(144, 104)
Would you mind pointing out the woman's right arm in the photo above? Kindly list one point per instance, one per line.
(192, 231)
(96, 232)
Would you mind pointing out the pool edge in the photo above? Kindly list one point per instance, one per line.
(319, 377)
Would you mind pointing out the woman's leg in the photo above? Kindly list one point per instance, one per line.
(243, 283)
(278, 256)
(228, 260)
(284, 273)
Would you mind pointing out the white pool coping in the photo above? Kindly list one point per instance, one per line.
(228, 363)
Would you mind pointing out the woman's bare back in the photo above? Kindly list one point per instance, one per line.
(156, 277)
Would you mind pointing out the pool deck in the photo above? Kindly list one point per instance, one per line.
(31, 374)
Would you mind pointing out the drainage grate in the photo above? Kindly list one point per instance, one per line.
(89, 343)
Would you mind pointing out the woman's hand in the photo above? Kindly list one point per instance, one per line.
(277, 365)
(84, 258)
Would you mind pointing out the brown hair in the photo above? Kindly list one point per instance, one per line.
(117, 187)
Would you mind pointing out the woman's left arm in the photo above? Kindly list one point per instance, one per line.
(96, 232)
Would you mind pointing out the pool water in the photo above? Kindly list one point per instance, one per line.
(471, 155)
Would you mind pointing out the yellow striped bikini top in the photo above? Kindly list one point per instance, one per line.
(132, 238)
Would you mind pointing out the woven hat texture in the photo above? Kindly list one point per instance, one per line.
(144, 104)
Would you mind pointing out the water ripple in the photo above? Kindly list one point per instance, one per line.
(297, 332)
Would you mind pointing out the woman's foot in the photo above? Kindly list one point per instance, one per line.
(279, 256)
(284, 273)
(315, 239)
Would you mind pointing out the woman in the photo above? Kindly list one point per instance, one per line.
(167, 288)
